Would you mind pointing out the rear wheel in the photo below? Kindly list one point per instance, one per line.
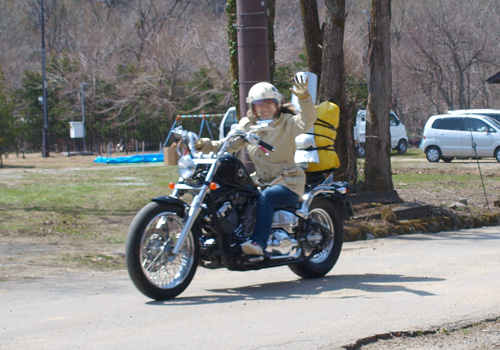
(402, 146)
(323, 212)
(155, 270)
(433, 154)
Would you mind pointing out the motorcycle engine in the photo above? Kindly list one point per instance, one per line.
(237, 215)
(228, 218)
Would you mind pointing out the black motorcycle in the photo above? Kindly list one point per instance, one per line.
(169, 238)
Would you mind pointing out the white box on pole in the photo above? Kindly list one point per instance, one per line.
(76, 130)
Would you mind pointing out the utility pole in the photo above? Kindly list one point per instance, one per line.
(253, 46)
(253, 54)
(83, 113)
(45, 133)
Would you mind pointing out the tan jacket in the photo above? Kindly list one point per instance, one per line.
(281, 134)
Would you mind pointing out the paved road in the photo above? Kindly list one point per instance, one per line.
(413, 282)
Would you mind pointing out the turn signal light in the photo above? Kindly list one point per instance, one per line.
(213, 186)
(171, 185)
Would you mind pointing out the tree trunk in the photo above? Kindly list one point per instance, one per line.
(312, 35)
(332, 86)
(378, 175)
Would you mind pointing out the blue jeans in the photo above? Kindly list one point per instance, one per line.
(273, 197)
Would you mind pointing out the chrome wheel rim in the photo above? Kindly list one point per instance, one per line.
(322, 217)
(164, 269)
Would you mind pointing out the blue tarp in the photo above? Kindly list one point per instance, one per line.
(139, 158)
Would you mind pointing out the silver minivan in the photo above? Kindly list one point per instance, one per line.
(493, 113)
(451, 136)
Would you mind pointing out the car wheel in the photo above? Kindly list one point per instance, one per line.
(497, 154)
(433, 154)
(402, 146)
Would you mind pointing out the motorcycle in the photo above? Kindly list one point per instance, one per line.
(169, 238)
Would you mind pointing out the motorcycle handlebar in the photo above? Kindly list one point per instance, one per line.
(266, 146)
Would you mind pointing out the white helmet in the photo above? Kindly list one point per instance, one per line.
(263, 91)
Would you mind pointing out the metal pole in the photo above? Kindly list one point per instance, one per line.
(45, 134)
(253, 46)
(83, 113)
(253, 54)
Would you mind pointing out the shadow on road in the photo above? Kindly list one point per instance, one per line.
(369, 283)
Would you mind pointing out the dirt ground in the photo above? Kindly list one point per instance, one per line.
(37, 257)
(480, 336)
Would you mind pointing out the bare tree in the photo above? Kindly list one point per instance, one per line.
(378, 175)
(332, 85)
(312, 35)
(152, 16)
(451, 51)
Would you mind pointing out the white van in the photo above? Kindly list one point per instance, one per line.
(451, 136)
(399, 138)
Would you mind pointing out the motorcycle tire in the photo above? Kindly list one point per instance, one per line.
(152, 236)
(324, 212)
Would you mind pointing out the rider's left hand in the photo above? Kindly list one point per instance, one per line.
(300, 87)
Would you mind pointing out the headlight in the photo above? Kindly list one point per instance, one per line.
(186, 167)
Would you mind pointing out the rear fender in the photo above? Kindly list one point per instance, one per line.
(343, 207)
(335, 193)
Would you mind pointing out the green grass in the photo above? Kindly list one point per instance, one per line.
(91, 203)
(413, 153)
(418, 178)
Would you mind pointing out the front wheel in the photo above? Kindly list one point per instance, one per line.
(497, 154)
(154, 269)
(322, 212)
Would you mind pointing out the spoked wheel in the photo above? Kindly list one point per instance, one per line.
(322, 212)
(154, 269)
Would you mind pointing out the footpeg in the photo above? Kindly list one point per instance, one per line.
(256, 259)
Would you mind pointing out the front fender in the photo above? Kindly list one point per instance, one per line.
(183, 207)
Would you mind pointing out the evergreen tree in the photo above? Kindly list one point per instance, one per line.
(8, 125)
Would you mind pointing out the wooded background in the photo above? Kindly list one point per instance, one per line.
(145, 61)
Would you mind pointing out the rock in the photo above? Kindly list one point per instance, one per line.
(389, 215)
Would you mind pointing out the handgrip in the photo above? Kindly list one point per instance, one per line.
(266, 146)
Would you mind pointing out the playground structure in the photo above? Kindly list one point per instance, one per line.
(204, 122)
(159, 157)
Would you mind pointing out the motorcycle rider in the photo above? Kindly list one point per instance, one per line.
(277, 173)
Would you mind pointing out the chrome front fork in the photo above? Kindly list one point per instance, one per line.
(192, 214)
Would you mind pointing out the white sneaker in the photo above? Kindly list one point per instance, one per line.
(251, 248)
